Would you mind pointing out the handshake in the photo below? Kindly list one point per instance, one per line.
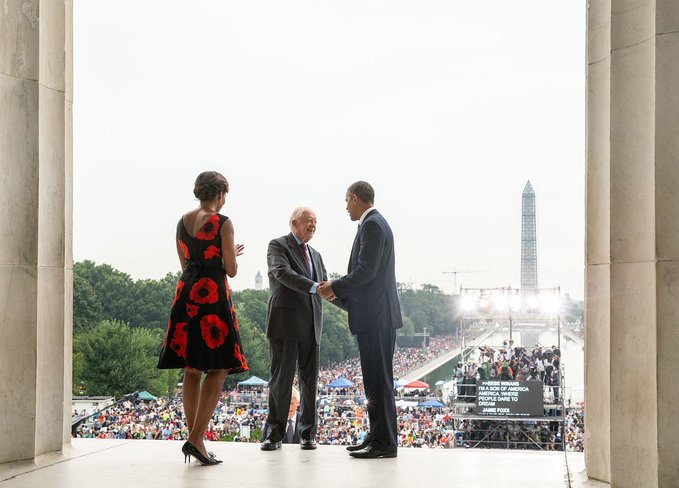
(325, 290)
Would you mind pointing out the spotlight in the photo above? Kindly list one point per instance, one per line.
(532, 302)
(483, 303)
(468, 303)
(515, 302)
(501, 302)
(551, 304)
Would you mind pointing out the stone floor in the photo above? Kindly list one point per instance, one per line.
(150, 464)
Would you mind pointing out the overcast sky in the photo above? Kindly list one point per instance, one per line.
(446, 107)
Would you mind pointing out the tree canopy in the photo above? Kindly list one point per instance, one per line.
(120, 323)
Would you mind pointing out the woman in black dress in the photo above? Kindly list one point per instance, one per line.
(202, 334)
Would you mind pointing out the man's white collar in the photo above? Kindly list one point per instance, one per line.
(365, 214)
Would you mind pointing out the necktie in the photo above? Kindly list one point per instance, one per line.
(290, 432)
(306, 256)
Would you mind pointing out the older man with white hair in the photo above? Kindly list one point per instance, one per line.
(294, 324)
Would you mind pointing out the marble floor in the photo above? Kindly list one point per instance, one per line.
(150, 464)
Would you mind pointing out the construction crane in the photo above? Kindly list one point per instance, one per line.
(455, 272)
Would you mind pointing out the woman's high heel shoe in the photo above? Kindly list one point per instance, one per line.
(212, 455)
(190, 450)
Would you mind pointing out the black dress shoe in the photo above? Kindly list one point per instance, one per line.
(308, 444)
(371, 452)
(360, 446)
(269, 445)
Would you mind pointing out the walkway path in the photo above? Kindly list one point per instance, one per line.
(574, 338)
(436, 363)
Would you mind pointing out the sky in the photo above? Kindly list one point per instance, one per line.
(446, 107)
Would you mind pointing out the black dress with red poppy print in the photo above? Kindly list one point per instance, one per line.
(203, 329)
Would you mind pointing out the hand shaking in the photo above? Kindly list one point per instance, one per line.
(325, 291)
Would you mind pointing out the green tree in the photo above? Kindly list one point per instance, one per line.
(117, 359)
(337, 343)
(408, 327)
(152, 301)
(87, 309)
(573, 310)
(256, 349)
(112, 288)
(253, 305)
(431, 308)
(101, 292)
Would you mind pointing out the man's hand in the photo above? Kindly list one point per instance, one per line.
(325, 291)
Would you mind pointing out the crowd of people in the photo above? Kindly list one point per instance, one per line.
(338, 425)
(344, 422)
(510, 363)
(406, 359)
(513, 435)
(575, 430)
(410, 358)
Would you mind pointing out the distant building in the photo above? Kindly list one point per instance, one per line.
(258, 281)
(529, 240)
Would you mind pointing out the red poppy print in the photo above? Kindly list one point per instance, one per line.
(227, 288)
(178, 342)
(178, 291)
(204, 291)
(210, 229)
(211, 252)
(184, 248)
(192, 310)
(240, 356)
(233, 316)
(214, 330)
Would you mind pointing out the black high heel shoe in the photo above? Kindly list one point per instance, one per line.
(190, 450)
(212, 455)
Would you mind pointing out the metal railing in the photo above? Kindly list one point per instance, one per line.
(499, 436)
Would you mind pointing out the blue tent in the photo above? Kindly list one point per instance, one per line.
(341, 383)
(431, 403)
(253, 381)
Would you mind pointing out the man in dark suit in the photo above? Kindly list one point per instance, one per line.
(291, 431)
(369, 294)
(293, 326)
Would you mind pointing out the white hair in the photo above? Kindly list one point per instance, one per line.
(297, 214)
(295, 393)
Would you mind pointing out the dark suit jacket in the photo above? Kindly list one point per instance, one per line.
(369, 291)
(295, 435)
(292, 309)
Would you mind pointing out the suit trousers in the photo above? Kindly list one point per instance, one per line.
(286, 356)
(376, 348)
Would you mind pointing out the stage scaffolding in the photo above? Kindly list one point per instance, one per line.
(485, 426)
(532, 311)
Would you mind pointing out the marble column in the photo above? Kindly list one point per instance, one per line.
(597, 249)
(632, 341)
(35, 212)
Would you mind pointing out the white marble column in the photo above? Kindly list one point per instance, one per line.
(632, 305)
(666, 122)
(597, 250)
(35, 212)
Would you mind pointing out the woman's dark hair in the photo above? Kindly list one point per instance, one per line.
(209, 185)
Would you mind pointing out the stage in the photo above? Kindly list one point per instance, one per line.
(105, 463)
